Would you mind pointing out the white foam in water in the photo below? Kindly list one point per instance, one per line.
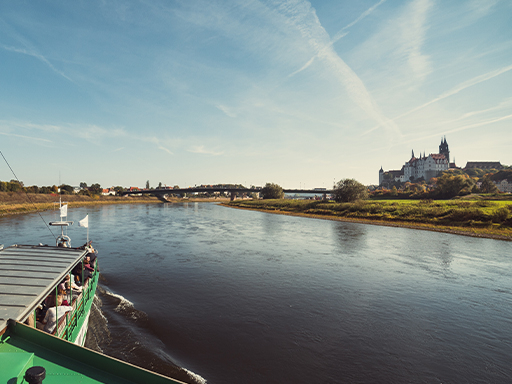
(195, 376)
(99, 309)
(123, 302)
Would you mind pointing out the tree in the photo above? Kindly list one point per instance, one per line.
(83, 185)
(95, 189)
(347, 190)
(159, 185)
(14, 186)
(118, 190)
(147, 184)
(66, 189)
(448, 186)
(488, 186)
(272, 191)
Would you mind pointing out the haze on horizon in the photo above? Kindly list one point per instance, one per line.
(293, 92)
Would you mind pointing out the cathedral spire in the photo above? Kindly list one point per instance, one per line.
(412, 155)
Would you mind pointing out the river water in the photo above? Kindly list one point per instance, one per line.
(203, 292)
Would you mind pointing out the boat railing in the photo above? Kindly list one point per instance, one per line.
(73, 319)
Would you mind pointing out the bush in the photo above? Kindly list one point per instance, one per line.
(500, 215)
(348, 190)
(272, 191)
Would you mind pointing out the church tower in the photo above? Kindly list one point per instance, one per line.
(443, 150)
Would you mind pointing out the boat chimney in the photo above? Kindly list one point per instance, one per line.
(35, 375)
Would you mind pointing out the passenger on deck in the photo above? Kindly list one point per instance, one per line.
(87, 263)
(65, 285)
(50, 320)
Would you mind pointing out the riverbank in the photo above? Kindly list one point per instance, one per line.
(490, 219)
(12, 203)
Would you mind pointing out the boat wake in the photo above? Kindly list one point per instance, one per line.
(118, 329)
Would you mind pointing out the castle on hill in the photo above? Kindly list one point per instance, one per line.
(420, 168)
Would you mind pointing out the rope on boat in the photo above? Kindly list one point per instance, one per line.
(28, 197)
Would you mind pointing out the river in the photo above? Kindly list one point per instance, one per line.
(203, 292)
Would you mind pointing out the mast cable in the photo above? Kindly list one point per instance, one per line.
(26, 193)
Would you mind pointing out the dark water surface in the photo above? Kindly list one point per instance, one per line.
(237, 296)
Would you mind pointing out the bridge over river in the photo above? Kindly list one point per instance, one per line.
(162, 193)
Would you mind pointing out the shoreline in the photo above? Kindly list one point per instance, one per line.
(18, 204)
(425, 227)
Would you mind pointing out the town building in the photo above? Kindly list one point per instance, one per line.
(504, 186)
(420, 168)
(484, 165)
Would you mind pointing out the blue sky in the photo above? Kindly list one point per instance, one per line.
(293, 92)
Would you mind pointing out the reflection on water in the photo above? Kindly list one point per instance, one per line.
(350, 236)
(247, 297)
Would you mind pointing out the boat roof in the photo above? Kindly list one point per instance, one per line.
(28, 274)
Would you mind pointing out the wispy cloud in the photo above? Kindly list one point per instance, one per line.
(413, 30)
(30, 126)
(342, 33)
(300, 16)
(339, 35)
(303, 67)
(37, 56)
(460, 128)
(227, 111)
(462, 86)
(202, 150)
(480, 124)
(26, 137)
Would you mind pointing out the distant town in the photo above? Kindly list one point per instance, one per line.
(425, 169)
(419, 177)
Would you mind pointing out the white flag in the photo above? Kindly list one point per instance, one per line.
(84, 222)
(64, 211)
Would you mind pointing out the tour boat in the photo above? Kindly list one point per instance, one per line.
(29, 274)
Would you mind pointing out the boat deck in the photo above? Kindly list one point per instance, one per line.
(22, 347)
(28, 274)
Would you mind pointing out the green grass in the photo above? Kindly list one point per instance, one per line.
(478, 215)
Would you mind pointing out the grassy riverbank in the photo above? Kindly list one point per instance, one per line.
(12, 203)
(476, 218)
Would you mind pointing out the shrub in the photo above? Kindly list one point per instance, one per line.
(500, 215)
(348, 190)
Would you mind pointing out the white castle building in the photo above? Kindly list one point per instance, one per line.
(422, 168)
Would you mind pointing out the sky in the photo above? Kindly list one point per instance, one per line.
(298, 93)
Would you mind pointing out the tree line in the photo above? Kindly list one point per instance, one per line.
(63, 189)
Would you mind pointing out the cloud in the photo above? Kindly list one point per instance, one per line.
(480, 124)
(301, 17)
(202, 150)
(462, 86)
(26, 137)
(37, 56)
(342, 32)
(49, 128)
(226, 110)
(303, 67)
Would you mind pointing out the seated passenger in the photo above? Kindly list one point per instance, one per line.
(50, 320)
(65, 285)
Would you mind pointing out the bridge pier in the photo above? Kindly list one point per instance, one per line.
(325, 196)
(233, 195)
(162, 197)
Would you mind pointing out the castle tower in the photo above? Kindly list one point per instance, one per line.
(443, 149)
(381, 175)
